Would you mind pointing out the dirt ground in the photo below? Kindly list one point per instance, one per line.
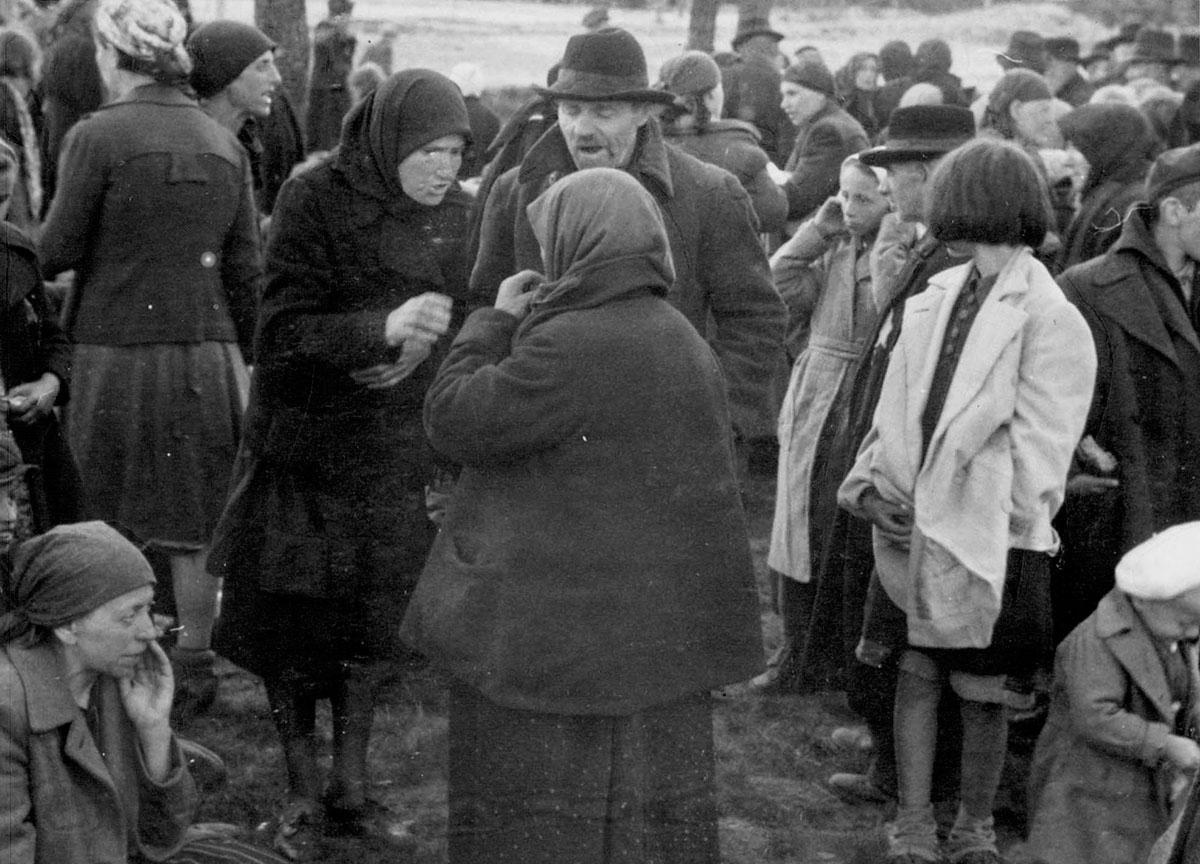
(773, 752)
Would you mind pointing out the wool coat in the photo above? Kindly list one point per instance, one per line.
(822, 144)
(827, 287)
(1098, 789)
(734, 146)
(1146, 409)
(722, 278)
(594, 557)
(67, 798)
(993, 474)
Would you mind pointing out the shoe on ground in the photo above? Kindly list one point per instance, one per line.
(857, 789)
(369, 819)
(856, 739)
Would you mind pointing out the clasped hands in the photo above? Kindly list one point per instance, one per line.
(415, 326)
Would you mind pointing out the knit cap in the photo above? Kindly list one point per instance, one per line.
(814, 76)
(689, 74)
(220, 51)
(146, 30)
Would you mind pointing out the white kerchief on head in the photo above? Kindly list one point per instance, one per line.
(1163, 567)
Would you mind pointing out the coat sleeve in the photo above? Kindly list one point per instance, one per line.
(800, 268)
(1056, 375)
(241, 265)
(70, 223)
(1097, 690)
(891, 251)
(748, 316)
(18, 835)
(166, 808)
(300, 319)
(488, 403)
(815, 174)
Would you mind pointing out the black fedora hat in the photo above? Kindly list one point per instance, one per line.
(1025, 49)
(748, 28)
(1154, 46)
(919, 133)
(606, 65)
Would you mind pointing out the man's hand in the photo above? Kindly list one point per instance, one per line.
(424, 318)
(412, 354)
(516, 293)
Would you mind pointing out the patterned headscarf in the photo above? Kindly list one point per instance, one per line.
(146, 30)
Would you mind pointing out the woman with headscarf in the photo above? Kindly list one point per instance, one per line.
(154, 213)
(1119, 146)
(567, 593)
(858, 88)
(326, 530)
(89, 767)
(694, 125)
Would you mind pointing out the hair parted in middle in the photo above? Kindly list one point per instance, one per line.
(988, 191)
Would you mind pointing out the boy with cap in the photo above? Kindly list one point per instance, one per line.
(1118, 744)
(1139, 468)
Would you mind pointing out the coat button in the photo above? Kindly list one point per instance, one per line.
(208, 259)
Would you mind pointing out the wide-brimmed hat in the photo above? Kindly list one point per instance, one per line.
(920, 133)
(1172, 169)
(748, 28)
(606, 65)
(1063, 48)
(1026, 49)
(1154, 46)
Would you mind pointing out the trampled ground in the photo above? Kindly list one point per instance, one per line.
(773, 755)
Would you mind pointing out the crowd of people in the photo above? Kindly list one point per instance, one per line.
(398, 384)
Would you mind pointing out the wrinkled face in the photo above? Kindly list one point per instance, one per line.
(1036, 121)
(252, 91)
(111, 639)
(1171, 620)
(863, 204)
(905, 187)
(799, 102)
(1186, 220)
(601, 134)
(867, 75)
(427, 173)
(8, 514)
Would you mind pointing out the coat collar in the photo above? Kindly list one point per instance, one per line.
(44, 677)
(550, 158)
(1119, 625)
(1146, 308)
(1000, 318)
(159, 94)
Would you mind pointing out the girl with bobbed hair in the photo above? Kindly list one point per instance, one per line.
(984, 400)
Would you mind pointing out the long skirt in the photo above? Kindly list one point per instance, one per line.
(532, 788)
(155, 430)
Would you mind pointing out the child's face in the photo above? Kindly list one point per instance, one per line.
(8, 515)
(1172, 620)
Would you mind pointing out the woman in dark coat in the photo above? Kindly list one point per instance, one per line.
(569, 591)
(326, 530)
(1119, 146)
(693, 125)
(858, 88)
(155, 214)
(329, 92)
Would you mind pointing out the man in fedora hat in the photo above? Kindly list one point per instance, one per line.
(751, 85)
(903, 259)
(1062, 71)
(1025, 49)
(606, 119)
(1139, 464)
(825, 135)
(1153, 56)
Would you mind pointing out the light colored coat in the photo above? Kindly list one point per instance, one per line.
(1097, 793)
(827, 289)
(994, 473)
(67, 798)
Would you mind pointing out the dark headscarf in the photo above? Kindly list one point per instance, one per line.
(64, 574)
(1116, 140)
(599, 220)
(405, 112)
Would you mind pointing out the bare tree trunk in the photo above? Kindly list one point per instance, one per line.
(760, 9)
(286, 22)
(702, 26)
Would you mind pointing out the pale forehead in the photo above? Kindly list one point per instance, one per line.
(124, 603)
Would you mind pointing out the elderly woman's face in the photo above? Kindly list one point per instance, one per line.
(427, 173)
(1036, 121)
(111, 639)
(867, 75)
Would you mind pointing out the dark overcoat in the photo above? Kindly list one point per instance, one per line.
(822, 144)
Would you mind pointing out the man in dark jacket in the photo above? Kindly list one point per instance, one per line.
(826, 135)
(1139, 463)
(723, 282)
(1062, 71)
(751, 85)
